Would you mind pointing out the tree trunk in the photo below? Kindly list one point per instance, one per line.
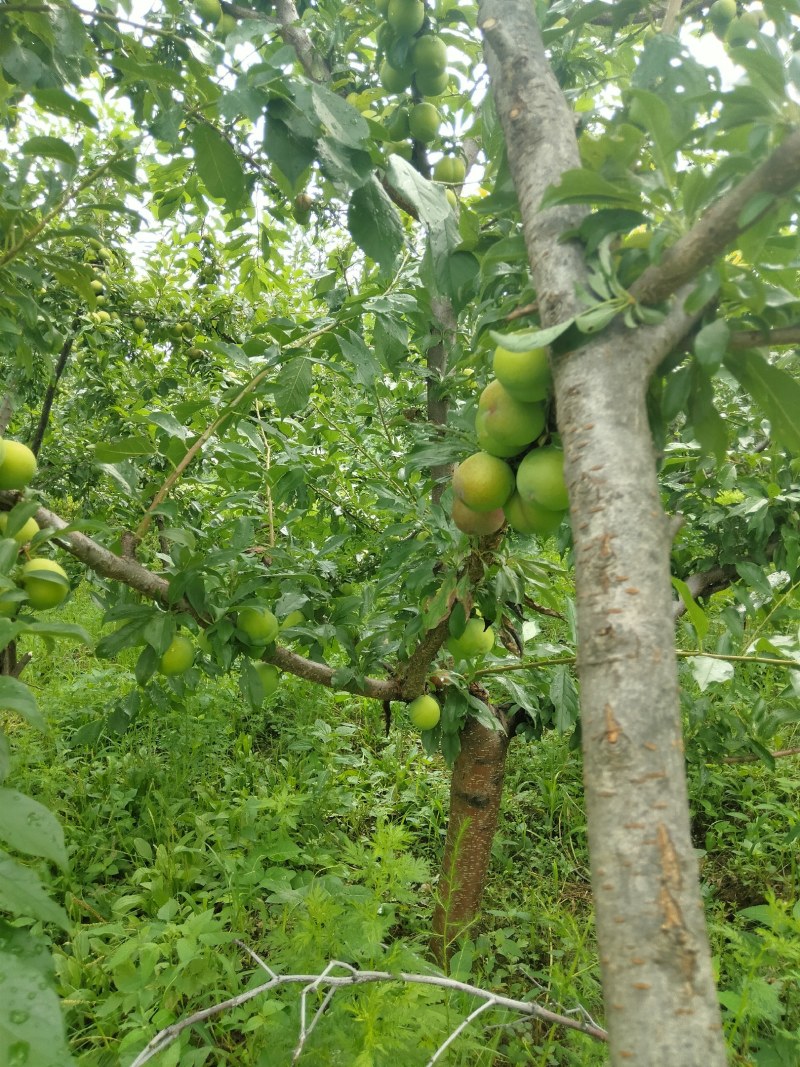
(476, 788)
(661, 1003)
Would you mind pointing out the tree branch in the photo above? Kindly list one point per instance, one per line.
(752, 757)
(783, 335)
(706, 583)
(355, 978)
(293, 33)
(49, 396)
(720, 225)
(529, 100)
(135, 576)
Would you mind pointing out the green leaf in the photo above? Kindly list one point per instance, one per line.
(28, 826)
(706, 422)
(30, 1013)
(50, 148)
(122, 448)
(339, 119)
(429, 200)
(356, 352)
(708, 671)
(22, 893)
(218, 165)
(374, 223)
(5, 757)
(527, 339)
(697, 616)
(564, 696)
(16, 696)
(754, 576)
(587, 187)
(69, 630)
(293, 386)
(776, 392)
(292, 155)
(711, 344)
(58, 102)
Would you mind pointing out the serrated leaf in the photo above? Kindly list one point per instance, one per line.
(697, 616)
(16, 696)
(754, 576)
(22, 893)
(28, 826)
(26, 967)
(292, 155)
(122, 448)
(218, 165)
(339, 119)
(708, 671)
(708, 425)
(598, 317)
(776, 392)
(355, 351)
(564, 696)
(524, 340)
(69, 630)
(429, 200)
(50, 148)
(440, 605)
(292, 387)
(374, 223)
(58, 102)
(711, 344)
(587, 187)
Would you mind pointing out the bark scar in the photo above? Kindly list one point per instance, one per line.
(613, 730)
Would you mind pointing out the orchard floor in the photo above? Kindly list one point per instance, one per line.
(304, 832)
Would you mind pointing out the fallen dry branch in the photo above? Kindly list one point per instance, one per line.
(330, 982)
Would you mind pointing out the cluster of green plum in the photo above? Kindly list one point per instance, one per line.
(413, 57)
(256, 626)
(42, 583)
(488, 491)
(730, 26)
(476, 640)
(210, 11)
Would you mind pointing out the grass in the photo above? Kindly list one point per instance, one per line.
(303, 830)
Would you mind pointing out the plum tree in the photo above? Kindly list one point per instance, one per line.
(483, 482)
(209, 10)
(431, 83)
(45, 582)
(394, 79)
(17, 465)
(429, 53)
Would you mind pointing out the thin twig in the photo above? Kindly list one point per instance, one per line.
(462, 1026)
(72, 192)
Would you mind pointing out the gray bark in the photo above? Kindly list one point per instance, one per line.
(658, 986)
